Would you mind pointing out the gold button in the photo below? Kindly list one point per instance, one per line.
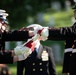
(72, 46)
(70, 54)
(40, 63)
(65, 43)
(33, 69)
(0, 68)
(41, 69)
(33, 64)
(74, 40)
(4, 72)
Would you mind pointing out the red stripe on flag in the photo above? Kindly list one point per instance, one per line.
(40, 31)
(30, 45)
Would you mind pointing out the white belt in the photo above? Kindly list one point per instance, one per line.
(74, 51)
(68, 50)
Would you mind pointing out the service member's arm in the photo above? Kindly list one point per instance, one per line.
(17, 35)
(9, 57)
(55, 33)
(6, 57)
(62, 33)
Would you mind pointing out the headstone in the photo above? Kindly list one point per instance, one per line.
(18, 43)
(40, 18)
(56, 50)
(67, 5)
(7, 45)
(56, 5)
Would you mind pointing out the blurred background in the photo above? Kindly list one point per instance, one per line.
(52, 13)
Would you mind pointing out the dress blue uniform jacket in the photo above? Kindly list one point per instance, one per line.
(34, 65)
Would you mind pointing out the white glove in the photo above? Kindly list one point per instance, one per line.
(22, 50)
(27, 48)
(44, 34)
(38, 29)
(21, 57)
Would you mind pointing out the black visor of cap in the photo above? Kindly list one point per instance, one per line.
(3, 20)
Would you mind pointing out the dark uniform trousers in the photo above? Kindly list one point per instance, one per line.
(6, 57)
(20, 67)
(73, 60)
(34, 65)
(67, 55)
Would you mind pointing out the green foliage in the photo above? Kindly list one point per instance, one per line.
(19, 10)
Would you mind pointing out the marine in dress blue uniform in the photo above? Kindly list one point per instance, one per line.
(64, 33)
(13, 35)
(67, 55)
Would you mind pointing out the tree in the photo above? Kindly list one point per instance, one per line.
(19, 10)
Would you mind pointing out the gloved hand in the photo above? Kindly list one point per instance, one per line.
(38, 29)
(21, 57)
(44, 34)
(27, 48)
(22, 50)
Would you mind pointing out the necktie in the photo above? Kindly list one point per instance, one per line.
(34, 52)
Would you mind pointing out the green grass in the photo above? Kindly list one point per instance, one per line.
(13, 69)
(59, 70)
